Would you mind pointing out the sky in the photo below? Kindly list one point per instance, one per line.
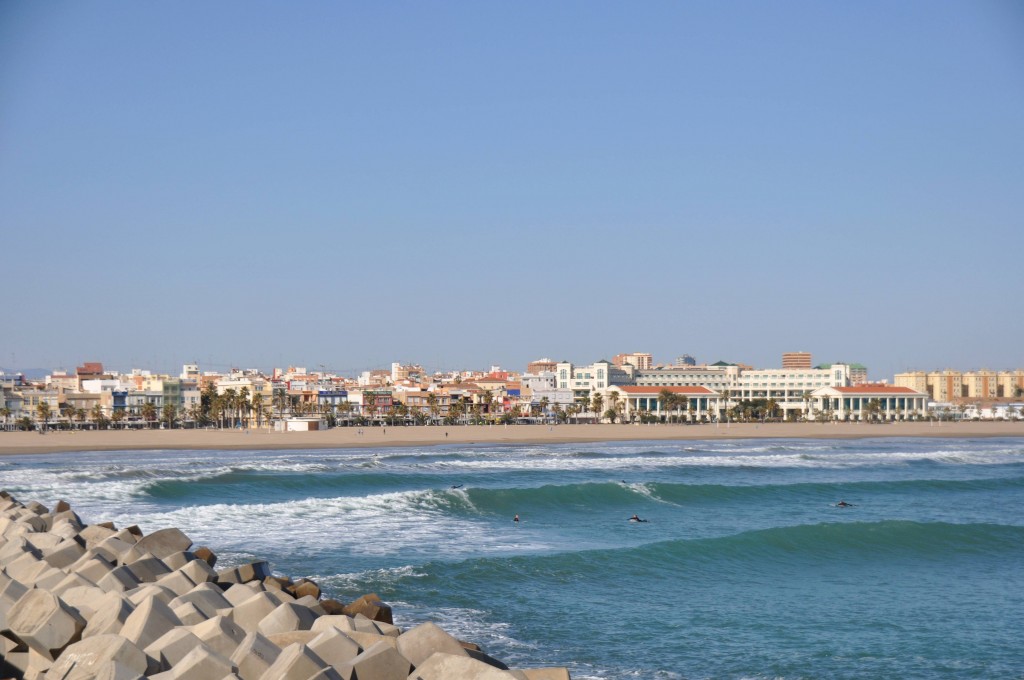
(342, 185)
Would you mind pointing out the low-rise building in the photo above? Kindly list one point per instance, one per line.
(869, 402)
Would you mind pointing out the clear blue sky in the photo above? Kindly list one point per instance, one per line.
(477, 183)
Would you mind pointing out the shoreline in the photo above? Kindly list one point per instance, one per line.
(25, 443)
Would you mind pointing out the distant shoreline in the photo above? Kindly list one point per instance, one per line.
(21, 443)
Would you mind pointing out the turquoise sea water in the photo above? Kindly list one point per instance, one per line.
(745, 569)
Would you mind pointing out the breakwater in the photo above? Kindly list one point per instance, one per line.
(85, 601)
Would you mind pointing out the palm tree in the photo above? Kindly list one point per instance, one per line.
(434, 407)
(244, 405)
(596, 402)
(149, 412)
(68, 411)
(613, 405)
(5, 413)
(97, 415)
(668, 401)
(257, 406)
(230, 401)
(169, 414)
(43, 413)
(117, 416)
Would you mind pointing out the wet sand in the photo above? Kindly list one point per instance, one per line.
(16, 443)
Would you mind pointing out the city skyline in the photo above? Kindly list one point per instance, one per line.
(462, 186)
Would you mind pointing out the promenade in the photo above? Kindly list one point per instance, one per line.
(15, 443)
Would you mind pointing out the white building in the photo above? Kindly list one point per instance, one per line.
(597, 377)
(867, 402)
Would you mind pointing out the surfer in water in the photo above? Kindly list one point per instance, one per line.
(636, 518)
(456, 486)
(516, 519)
(844, 504)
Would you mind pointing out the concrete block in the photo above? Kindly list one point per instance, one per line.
(14, 547)
(475, 652)
(202, 663)
(206, 555)
(37, 665)
(113, 548)
(441, 666)
(112, 670)
(165, 542)
(169, 649)
(365, 625)
(388, 629)
(286, 617)
(302, 637)
(254, 655)
(148, 569)
(311, 603)
(379, 662)
(238, 593)
(371, 607)
(67, 529)
(45, 623)
(84, 598)
(42, 541)
(95, 533)
(36, 507)
(109, 615)
(178, 560)
(11, 590)
(68, 582)
(254, 609)
(119, 579)
(129, 535)
(207, 597)
(92, 567)
(64, 553)
(221, 633)
(420, 642)
(7, 645)
(150, 620)
(367, 640)
(297, 662)
(254, 571)
(334, 647)
(48, 578)
(176, 582)
(26, 567)
(199, 571)
(144, 592)
(304, 587)
(339, 621)
(189, 614)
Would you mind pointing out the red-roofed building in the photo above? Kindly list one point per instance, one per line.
(698, 401)
(869, 402)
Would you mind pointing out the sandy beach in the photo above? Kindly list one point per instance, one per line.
(17, 443)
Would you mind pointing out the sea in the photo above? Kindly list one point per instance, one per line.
(744, 568)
